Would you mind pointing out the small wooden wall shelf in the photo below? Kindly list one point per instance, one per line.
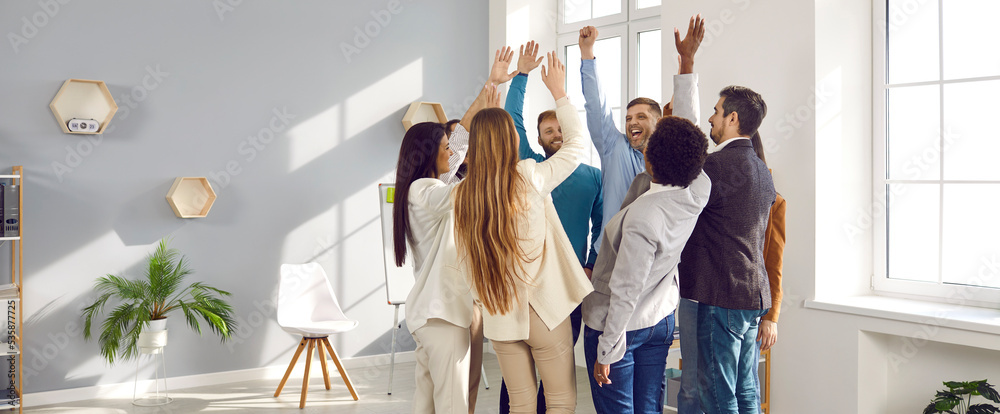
(191, 197)
(83, 99)
(423, 112)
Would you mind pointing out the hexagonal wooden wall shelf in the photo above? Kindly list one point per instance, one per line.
(423, 112)
(191, 197)
(83, 99)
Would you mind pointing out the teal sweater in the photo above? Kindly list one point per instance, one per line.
(578, 200)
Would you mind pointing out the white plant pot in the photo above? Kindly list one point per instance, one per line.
(153, 338)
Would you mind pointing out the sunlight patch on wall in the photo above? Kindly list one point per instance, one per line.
(315, 136)
(385, 97)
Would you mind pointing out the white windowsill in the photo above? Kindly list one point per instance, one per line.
(908, 310)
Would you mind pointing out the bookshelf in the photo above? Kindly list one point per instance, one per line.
(83, 99)
(423, 112)
(11, 294)
(191, 197)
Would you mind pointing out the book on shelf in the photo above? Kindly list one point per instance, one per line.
(9, 216)
(8, 291)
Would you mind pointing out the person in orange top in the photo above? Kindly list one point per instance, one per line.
(774, 249)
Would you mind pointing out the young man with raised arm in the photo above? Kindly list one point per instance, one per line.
(686, 100)
(577, 200)
(622, 153)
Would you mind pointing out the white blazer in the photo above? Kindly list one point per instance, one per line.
(556, 284)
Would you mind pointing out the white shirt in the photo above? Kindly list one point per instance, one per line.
(726, 142)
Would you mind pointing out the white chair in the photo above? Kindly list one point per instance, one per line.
(308, 307)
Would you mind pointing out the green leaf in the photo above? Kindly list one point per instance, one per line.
(988, 392)
(983, 409)
(946, 400)
(155, 295)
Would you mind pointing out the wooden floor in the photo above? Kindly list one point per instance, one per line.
(256, 396)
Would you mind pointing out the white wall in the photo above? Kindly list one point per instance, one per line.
(513, 23)
(224, 72)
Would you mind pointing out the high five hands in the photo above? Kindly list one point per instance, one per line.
(588, 37)
(489, 97)
(528, 60)
(687, 47)
(501, 61)
(554, 76)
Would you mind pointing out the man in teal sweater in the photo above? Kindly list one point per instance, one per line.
(578, 200)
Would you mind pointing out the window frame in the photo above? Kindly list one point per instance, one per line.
(635, 13)
(562, 27)
(627, 24)
(634, 28)
(882, 284)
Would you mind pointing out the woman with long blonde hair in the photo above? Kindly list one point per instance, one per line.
(523, 270)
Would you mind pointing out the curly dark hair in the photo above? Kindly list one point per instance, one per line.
(676, 151)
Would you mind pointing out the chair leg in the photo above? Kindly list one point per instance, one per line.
(343, 373)
(295, 358)
(305, 377)
(486, 382)
(322, 363)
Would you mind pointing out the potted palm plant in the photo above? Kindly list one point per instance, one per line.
(151, 299)
(957, 399)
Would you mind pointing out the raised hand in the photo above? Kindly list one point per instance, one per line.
(588, 36)
(689, 45)
(501, 61)
(528, 60)
(489, 97)
(554, 76)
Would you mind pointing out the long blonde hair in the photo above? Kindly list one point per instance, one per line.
(487, 206)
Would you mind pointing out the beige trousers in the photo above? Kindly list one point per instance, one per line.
(475, 357)
(442, 369)
(552, 353)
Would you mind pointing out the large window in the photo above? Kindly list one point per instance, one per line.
(628, 51)
(937, 184)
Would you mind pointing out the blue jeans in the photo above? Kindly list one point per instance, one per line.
(688, 400)
(727, 365)
(638, 379)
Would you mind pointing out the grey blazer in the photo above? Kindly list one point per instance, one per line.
(635, 276)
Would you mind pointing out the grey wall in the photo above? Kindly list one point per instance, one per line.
(95, 204)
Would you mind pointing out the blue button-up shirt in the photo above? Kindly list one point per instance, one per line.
(577, 200)
(620, 163)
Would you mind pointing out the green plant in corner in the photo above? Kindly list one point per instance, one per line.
(959, 396)
(151, 298)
